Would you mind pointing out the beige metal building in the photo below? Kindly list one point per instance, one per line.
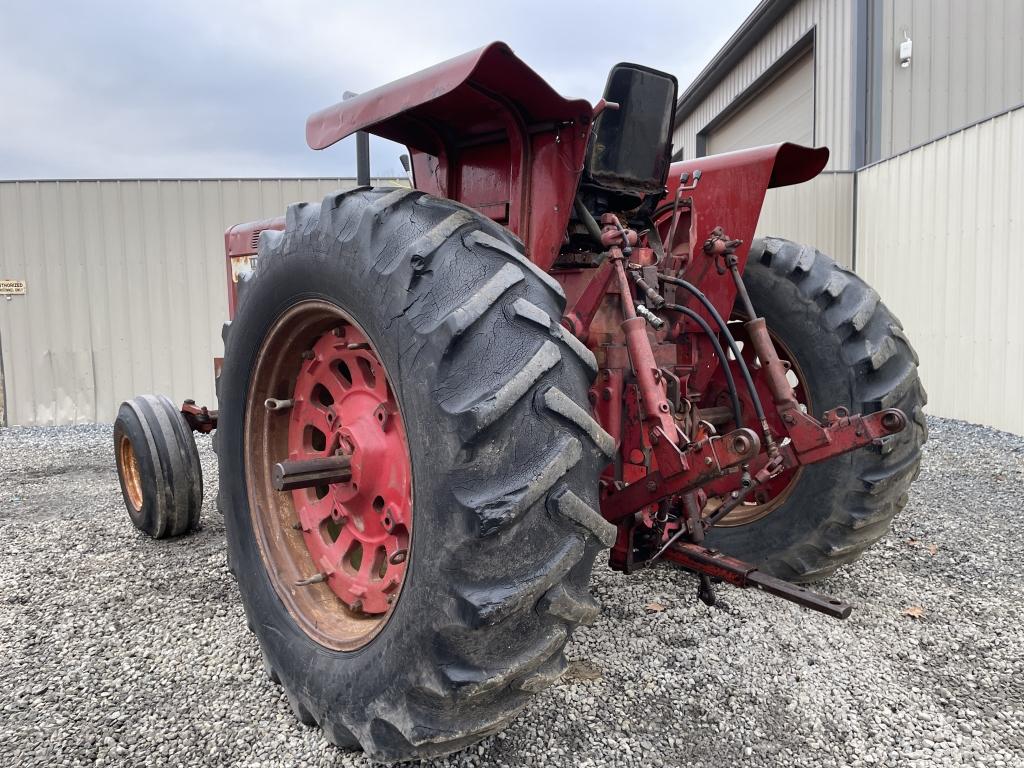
(123, 288)
(124, 280)
(922, 105)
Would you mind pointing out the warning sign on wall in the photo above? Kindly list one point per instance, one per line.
(12, 287)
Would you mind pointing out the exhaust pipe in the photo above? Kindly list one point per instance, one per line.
(362, 150)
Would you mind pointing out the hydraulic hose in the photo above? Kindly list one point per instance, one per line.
(587, 219)
(726, 368)
(744, 371)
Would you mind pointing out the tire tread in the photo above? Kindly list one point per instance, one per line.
(885, 376)
(514, 615)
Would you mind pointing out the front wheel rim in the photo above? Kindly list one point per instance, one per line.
(130, 472)
(337, 554)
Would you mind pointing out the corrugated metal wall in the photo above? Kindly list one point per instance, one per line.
(818, 212)
(967, 64)
(126, 287)
(924, 219)
(939, 233)
(833, 52)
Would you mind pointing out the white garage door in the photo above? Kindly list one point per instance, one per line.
(782, 111)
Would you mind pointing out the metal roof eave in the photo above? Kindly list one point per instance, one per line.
(753, 28)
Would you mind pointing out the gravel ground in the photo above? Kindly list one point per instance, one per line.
(115, 649)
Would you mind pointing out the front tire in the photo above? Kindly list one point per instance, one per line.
(504, 464)
(158, 467)
(852, 352)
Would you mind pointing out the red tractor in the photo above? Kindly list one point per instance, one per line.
(438, 404)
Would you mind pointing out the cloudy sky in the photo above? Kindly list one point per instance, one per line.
(186, 88)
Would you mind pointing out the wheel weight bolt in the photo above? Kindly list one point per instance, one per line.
(315, 579)
(398, 557)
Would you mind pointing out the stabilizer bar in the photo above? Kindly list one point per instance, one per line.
(699, 559)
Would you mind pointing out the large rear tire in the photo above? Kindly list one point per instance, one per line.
(852, 352)
(504, 457)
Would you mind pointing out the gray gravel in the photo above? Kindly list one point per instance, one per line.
(115, 649)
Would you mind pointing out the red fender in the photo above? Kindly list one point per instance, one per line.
(731, 187)
(483, 129)
(728, 191)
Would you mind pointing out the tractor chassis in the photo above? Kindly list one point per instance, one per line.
(581, 367)
(843, 434)
(685, 465)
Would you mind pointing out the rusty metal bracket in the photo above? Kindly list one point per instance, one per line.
(198, 417)
(812, 442)
(682, 469)
(578, 319)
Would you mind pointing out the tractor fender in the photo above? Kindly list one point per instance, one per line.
(728, 190)
(445, 98)
(482, 129)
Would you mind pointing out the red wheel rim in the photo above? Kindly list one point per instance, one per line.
(337, 554)
(357, 532)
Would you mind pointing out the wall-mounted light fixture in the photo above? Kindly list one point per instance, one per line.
(906, 50)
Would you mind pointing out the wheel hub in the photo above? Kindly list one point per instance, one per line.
(132, 475)
(336, 544)
(357, 532)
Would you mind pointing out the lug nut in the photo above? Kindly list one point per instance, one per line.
(398, 557)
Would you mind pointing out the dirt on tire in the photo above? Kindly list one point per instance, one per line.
(505, 459)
